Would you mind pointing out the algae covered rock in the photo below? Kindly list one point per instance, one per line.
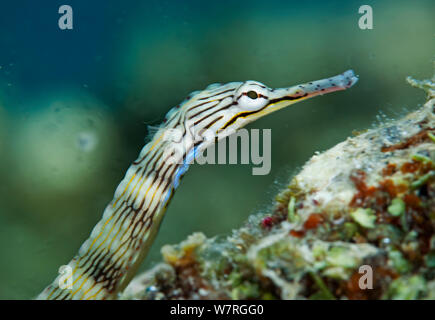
(357, 222)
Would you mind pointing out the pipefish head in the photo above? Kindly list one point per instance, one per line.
(254, 100)
(222, 109)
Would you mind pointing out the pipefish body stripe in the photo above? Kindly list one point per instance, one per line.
(120, 241)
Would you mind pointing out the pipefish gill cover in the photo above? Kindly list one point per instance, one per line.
(115, 115)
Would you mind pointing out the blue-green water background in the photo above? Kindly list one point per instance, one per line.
(74, 106)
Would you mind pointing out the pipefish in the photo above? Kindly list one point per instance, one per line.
(119, 242)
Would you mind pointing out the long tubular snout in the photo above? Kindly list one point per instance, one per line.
(283, 97)
(340, 82)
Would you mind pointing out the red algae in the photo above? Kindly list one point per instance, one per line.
(313, 221)
(420, 137)
(389, 170)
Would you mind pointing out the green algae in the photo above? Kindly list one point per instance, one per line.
(364, 217)
(397, 207)
(407, 288)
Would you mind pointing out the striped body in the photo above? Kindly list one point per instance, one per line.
(108, 259)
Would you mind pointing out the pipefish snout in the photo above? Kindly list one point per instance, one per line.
(119, 242)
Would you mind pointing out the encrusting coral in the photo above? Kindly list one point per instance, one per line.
(367, 202)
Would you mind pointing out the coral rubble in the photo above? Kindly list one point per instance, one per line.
(367, 202)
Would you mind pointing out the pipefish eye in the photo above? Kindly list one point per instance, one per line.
(252, 94)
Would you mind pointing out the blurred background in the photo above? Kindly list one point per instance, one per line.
(75, 105)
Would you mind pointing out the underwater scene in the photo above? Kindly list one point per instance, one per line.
(160, 149)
